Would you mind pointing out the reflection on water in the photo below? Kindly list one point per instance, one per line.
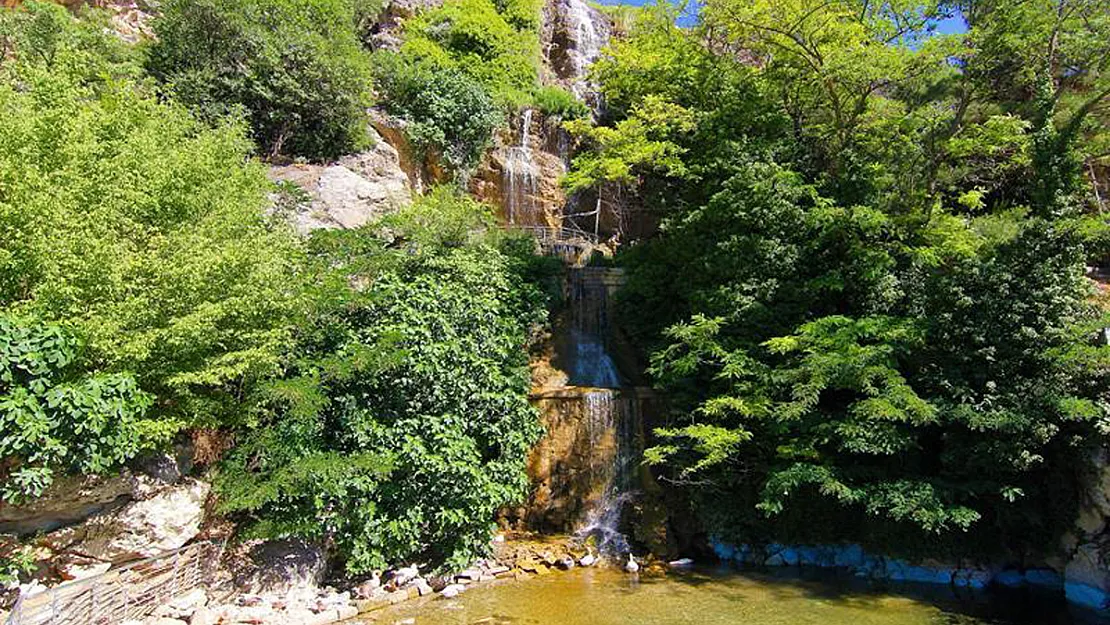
(609, 597)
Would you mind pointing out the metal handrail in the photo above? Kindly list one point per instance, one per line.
(130, 591)
(565, 234)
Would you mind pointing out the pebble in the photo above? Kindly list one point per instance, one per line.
(453, 590)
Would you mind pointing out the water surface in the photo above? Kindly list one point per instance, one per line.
(718, 597)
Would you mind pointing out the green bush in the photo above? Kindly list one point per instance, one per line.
(558, 102)
(137, 227)
(402, 424)
(295, 66)
(447, 110)
(472, 36)
(56, 419)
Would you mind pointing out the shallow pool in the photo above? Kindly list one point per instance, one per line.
(722, 597)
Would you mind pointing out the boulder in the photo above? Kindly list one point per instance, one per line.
(204, 616)
(347, 194)
(452, 591)
(73, 499)
(72, 566)
(282, 566)
(423, 588)
(141, 529)
(184, 606)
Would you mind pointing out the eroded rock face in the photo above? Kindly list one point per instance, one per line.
(163, 522)
(350, 193)
(1087, 572)
(573, 35)
(73, 499)
(520, 175)
(386, 34)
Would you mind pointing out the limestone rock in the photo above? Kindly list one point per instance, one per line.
(141, 529)
(521, 175)
(452, 591)
(574, 34)
(73, 499)
(204, 616)
(347, 194)
(184, 606)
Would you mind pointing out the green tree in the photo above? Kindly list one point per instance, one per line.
(865, 304)
(402, 423)
(295, 66)
(135, 226)
(448, 111)
(54, 419)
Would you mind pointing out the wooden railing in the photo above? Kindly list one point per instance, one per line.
(131, 591)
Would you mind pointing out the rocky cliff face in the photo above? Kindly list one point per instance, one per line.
(83, 525)
(1086, 564)
(520, 175)
(573, 35)
(346, 194)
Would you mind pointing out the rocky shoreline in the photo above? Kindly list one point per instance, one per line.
(516, 557)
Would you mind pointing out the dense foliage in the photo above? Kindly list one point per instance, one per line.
(133, 225)
(54, 419)
(869, 302)
(446, 109)
(296, 66)
(375, 380)
(402, 423)
(463, 65)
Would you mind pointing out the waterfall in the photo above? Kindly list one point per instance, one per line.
(520, 176)
(609, 415)
(588, 32)
(590, 362)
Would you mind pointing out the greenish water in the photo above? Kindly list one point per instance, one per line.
(609, 597)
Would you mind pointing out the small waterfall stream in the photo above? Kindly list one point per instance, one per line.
(607, 413)
(590, 32)
(521, 176)
(609, 416)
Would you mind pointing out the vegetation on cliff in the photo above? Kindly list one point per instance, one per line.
(374, 379)
(401, 424)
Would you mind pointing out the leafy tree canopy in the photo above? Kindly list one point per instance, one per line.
(296, 67)
(868, 295)
(134, 226)
(402, 422)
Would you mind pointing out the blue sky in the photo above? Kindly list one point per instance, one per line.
(948, 26)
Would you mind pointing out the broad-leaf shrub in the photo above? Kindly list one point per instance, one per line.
(402, 423)
(295, 66)
(55, 419)
(462, 65)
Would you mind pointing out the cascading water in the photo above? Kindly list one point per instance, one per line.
(609, 415)
(521, 176)
(590, 32)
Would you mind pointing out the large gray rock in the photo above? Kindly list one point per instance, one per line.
(279, 566)
(163, 522)
(347, 194)
(72, 499)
